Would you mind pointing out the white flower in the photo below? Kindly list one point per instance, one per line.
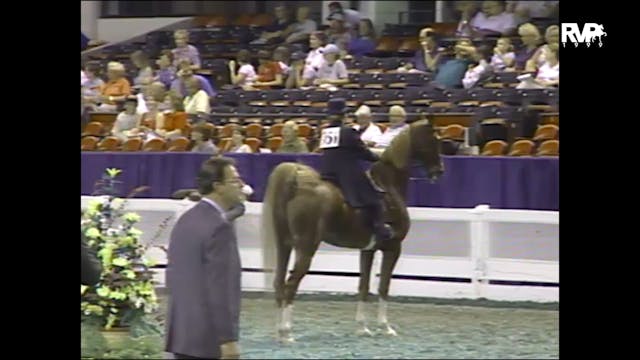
(112, 232)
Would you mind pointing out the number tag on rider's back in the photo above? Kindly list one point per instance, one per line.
(330, 138)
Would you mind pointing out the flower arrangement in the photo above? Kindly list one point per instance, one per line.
(125, 293)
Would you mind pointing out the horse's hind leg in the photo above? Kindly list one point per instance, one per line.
(283, 253)
(300, 269)
(389, 260)
(366, 260)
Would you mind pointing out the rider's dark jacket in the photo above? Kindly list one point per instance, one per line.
(341, 165)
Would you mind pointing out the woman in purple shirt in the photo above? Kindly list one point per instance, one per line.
(184, 51)
(365, 43)
(530, 36)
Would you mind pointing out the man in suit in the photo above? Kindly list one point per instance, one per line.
(342, 150)
(203, 273)
(91, 268)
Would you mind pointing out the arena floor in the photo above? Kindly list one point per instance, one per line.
(324, 327)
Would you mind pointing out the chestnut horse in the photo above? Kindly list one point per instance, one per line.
(300, 210)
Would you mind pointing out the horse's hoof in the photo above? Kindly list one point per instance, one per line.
(389, 331)
(364, 331)
(285, 337)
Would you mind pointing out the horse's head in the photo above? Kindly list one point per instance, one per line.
(425, 148)
(418, 143)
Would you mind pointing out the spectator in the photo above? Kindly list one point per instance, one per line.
(269, 72)
(503, 55)
(246, 75)
(530, 37)
(184, 74)
(291, 142)
(548, 74)
(184, 51)
(117, 87)
(350, 16)
(338, 33)
(128, 121)
(314, 59)
(451, 73)
(295, 80)
(526, 10)
(275, 33)
(300, 30)
(196, 103)
(397, 123)
(92, 85)
(333, 71)
(365, 42)
(282, 56)
(166, 73)
(237, 144)
(467, 10)
(478, 69)
(201, 137)
(145, 73)
(491, 20)
(428, 57)
(552, 36)
(370, 133)
(203, 275)
(166, 124)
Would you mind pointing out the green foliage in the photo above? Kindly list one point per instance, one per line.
(125, 293)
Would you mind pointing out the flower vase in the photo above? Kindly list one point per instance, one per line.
(115, 336)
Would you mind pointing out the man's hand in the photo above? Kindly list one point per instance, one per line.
(230, 350)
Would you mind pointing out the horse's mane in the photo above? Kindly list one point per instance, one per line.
(397, 153)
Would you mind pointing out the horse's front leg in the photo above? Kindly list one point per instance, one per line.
(366, 261)
(389, 260)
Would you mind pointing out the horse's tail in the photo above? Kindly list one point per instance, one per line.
(277, 194)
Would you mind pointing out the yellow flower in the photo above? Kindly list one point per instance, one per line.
(128, 274)
(132, 217)
(135, 232)
(103, 291)
(95, 309)
(120, 262)
(92, 233)
(93, 206)
(113, 172)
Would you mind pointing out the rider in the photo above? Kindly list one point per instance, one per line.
(342, 149)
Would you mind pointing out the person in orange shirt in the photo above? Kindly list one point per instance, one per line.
(116, 89)
(269, 72)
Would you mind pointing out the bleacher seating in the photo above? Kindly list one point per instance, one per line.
(496, 106)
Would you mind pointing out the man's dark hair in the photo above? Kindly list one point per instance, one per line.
(212, 171)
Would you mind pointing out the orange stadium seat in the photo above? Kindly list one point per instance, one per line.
(156, 144)
(133, 144)
(494, 148)
(88, 143)
(549, 148)
(179, 144)
(109, 143)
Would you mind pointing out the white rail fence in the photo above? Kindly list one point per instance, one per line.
(510, 255)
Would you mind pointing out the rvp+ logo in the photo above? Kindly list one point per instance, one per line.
(588, 35)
